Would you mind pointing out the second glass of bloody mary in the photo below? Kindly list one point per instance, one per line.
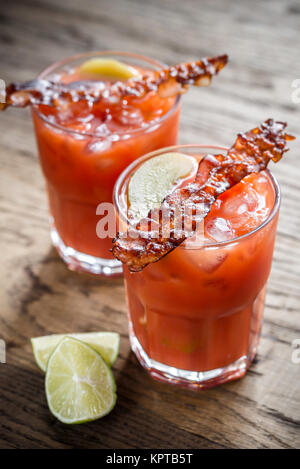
(84, 149)
(195, 315)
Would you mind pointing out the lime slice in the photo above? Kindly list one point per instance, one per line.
(106, 343)
(108, 68)
(155, 179)
(79, 385)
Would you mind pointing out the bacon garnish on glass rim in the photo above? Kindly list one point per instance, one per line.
(250, 153)
(167, 82)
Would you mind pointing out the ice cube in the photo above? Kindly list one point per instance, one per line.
(98, 146)
(219, 229)
(102, 130)
(129, 116)
(207, 259)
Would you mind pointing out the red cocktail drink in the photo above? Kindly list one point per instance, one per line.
(84, 149)
(195, 316)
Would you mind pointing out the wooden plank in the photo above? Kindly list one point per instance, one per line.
(40, 296)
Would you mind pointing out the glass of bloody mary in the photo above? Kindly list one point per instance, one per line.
(195, 315)
(83, 149)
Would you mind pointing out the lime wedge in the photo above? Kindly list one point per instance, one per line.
(79, 385)
(108, 68)
(105, 343)
(155, 179)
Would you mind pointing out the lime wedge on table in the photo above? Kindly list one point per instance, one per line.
(79, 385)
(105, 343)
(108, 68)
(155, 179)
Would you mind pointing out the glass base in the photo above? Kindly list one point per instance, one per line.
(194, 380)
(81, 262)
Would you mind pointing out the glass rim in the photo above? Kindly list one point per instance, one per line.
(126, 173)
(60, 63)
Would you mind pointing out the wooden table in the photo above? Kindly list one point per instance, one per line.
(40, 296)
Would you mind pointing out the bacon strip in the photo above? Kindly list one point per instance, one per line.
(250, 153)
(168, 82)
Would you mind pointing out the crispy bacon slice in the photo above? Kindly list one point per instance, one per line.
(250, 153)
(167, 82)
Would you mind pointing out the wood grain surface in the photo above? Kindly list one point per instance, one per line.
(40, 296)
